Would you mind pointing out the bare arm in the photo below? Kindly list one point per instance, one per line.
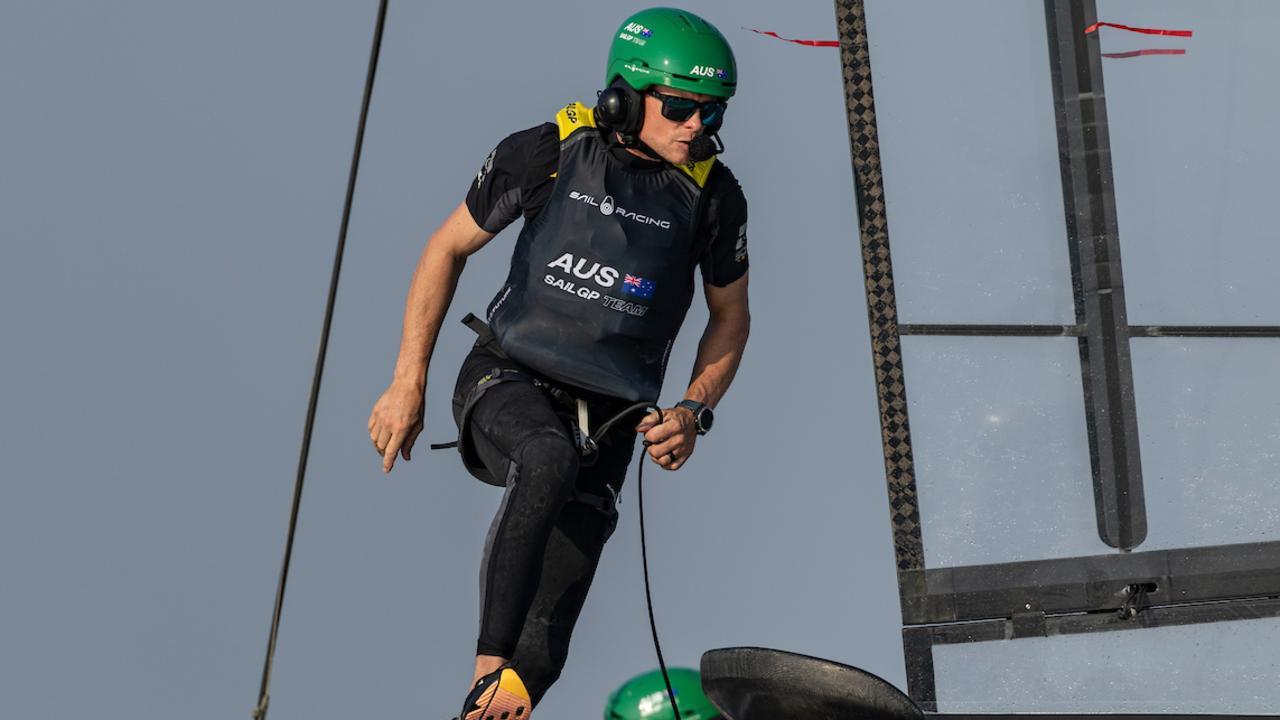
(396, 419)
(719, 352)
(723, 342)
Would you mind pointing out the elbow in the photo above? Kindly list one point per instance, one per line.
(452, 255)
(735, 323)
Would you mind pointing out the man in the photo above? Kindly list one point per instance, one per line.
(621, 203)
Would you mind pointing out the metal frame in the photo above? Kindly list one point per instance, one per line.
(1089, 584)
(921, 640)
(1140, 331)
(1105, 593)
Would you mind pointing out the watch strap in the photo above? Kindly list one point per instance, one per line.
(696, 408)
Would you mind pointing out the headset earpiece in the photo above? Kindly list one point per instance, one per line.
(611, 107)
(621, 108)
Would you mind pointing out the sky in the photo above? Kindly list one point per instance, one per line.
(171, 184)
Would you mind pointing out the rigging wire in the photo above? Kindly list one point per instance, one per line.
(264, 694)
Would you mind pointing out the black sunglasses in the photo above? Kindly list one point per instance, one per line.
(680, 109)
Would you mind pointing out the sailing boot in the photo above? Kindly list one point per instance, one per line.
(500, 695)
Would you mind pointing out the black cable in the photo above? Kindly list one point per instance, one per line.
(644, 562)
(260, 712)
(596, 437)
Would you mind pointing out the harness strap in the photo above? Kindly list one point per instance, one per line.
(489, 342)
(608, 505)
(493, 377)
(581, 429)
(600, 503)
(487, 339)
(576, 411)
(582, 432)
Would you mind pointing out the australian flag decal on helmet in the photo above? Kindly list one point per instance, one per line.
(637, 287)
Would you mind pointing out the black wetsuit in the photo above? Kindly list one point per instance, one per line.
(558, 508)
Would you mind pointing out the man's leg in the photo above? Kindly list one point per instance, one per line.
(572, 554)
(568, 568)
(519, 437)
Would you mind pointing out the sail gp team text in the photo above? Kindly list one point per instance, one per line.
(591, 294)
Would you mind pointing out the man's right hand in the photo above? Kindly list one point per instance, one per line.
(395, 423)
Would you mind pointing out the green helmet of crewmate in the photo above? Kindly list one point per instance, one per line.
(644, 697)
(675, 48)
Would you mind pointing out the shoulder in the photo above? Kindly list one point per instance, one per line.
(724, 228)
(519, 156)
(723, 183)
(513, 178)
(528, 142)
(724, 193)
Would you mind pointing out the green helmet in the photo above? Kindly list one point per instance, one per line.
(644, 697)
(666, 46)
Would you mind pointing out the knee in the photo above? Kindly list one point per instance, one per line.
(548, 455)
(548, 465)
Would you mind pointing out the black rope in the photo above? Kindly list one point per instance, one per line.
(593, 441)
(264, 694)
(648, 597)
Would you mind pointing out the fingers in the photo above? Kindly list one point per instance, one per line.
(673, 424)
(672, 444)
(389, 452)
(394, 426)
(672, 453)
(669, 443)
(650, 420)
(670, 459)
(383, 439)
(406, 448)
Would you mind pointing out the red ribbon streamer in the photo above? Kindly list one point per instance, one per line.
(810, 43)
(1148, 51)
(1145, 31)
(1091, 29)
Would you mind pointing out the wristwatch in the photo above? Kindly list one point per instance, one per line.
(702, 415)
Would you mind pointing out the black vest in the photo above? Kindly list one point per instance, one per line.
(602, 277)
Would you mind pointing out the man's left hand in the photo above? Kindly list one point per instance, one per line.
(671, 442)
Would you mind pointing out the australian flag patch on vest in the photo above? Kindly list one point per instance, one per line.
(637, 287)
